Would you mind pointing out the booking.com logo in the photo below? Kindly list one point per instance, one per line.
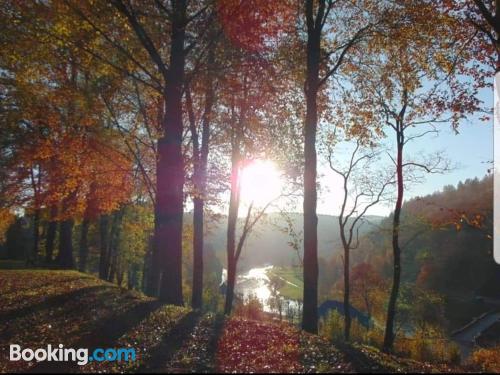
(62, 354)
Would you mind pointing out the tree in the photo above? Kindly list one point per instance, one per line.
(329, 59)
(276, 302)
(246, 100)
(410, 86)
(167, 256)
(56, 102)
(51, 234)
(366, 285)
(368, 190)
(200, 168)
(478, 21)
(247, 95)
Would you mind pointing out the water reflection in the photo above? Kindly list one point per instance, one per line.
(255, 283)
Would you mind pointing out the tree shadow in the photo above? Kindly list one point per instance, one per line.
(50, 302)
(30, 287)
(361, 362)
(104, 335)
(171, 342)
(212, 348)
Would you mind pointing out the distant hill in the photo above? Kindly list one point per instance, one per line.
(269, 243)
(446, 240)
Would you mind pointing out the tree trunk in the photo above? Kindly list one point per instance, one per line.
(65, 255)
(132, 277)
(347, 310)
(197, 296)
(51, 235)
(200, 179)
(234, 203)
(310, 307)
(391, 309)
(111, 270)
(231, 283)
(84, 249)
(170, 168)
(347, 247)
(104, 245)
(113, 253)
(119, 274)
(36, 237)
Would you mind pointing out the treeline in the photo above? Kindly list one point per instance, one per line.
(112, 107)
(443, 250)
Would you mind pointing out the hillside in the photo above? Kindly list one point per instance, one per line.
(38, 308)
(446, 246)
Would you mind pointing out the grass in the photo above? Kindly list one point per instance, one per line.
(293, 287)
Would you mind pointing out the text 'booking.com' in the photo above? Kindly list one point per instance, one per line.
(81, 356)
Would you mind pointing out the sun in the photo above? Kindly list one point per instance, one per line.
(261, 183)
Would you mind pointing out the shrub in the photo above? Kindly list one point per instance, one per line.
(487, 360)
(332, 327)
(250, 308)
(429, 345)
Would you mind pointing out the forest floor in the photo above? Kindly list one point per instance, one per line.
(41, 307)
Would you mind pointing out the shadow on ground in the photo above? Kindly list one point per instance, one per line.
(361, 362)
(105, 335)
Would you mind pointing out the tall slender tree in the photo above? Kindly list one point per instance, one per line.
(319, 58)
(169, 205)
(408, 85)
(200, 165)
(359, 195)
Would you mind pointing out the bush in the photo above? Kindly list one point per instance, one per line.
(487, 360)
(250, 308)
(375, 337)
(332, 327)
(429, 345)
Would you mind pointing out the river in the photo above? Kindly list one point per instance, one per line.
(255, 282)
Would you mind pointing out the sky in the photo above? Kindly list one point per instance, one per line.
(470, 152)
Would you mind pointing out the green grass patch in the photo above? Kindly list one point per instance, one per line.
(293, 284)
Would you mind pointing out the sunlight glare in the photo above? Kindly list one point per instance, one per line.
(261, 182)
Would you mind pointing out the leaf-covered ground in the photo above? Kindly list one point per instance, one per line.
(256, 346)
(367, 359)
(41, 307)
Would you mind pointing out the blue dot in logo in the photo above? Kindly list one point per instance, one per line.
(91, 359)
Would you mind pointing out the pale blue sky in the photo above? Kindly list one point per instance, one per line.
(471, 151)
